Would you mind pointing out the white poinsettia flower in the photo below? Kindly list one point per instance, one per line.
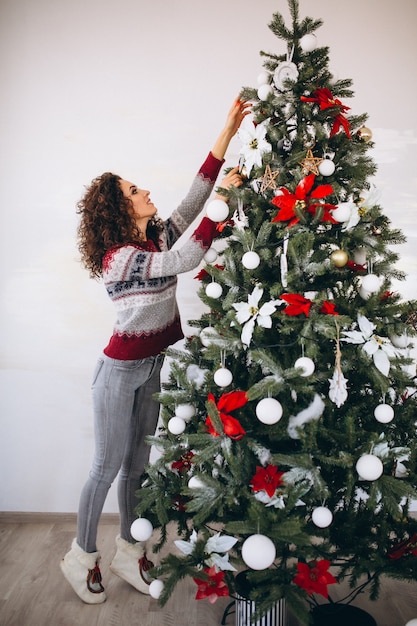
(277, 501)
(379, 348)
(220, 543)
(214, 546)
(249, 313)
(187, 547)
(254, 143)
(221, 562)
(370, 197)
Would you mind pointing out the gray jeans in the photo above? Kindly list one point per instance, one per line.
(124, 413)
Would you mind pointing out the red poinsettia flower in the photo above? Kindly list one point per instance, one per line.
(184, 463)
(297, 304)
(203, 273)
(213, 588)
(267, 479)
(303, 199)
(328, 308)
(325, 99)
(314, 577)
(228, 402)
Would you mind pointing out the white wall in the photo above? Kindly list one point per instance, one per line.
(141, 88)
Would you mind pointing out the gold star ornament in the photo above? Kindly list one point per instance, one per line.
(268, 179)
(310, 163)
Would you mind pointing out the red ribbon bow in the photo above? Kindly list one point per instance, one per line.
(302, 198)
(228, 402)
(409, 546)
(325, 99)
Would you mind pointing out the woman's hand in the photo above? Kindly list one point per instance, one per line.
(239, 110)
(232, 179)
(237, 113)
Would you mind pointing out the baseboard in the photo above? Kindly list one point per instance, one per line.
(40, 517)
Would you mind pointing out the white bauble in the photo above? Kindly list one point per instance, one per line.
(412, 622)
(251, 260)
(365, 295)
(223, 377)
(371, 283)
(155, 588)
(264, 91)
(176, 425)
(306, 364)
(185, 411)
(218, 210)
(359, 256)
(369, 467)
(384, 413)
(342, 212)
(308, 42)
(208, 336)
(214, 290)
(322, 517)
(268, 411)
(263, 78)
(195, 483)
(400, 341)
(327, 167)
(258, 552)
(210, 256)
(141, 529)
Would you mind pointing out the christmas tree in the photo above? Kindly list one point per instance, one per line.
(288, 444)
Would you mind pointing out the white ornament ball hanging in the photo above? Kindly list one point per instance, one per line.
(185, 411)
(308, 42)
(306, 364)
(195, 483)
(384, 413)
(208, 336)
(251, 260)
(322, 517)
(141, 529)
(210, 256)
(218, 210)
(269, 411)
(264, 91)
(223, 377)
(214, 290)
(359, 256)
(369, 467)
(342, 212)
(412, 622)
(371, 283)
(365, 295)
(176, 425)
(263, 78)
(400, 341)
(327, 167)
(155, 588)
(258, 552)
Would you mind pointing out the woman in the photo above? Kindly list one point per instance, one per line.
(122, 240)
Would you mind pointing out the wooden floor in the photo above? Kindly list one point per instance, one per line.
(33, 591)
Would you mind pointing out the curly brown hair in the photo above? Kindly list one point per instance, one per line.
(107, 220)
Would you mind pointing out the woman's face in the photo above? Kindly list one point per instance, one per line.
(143, 207)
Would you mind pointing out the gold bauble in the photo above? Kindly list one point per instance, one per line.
(365, 134)
(339, 258)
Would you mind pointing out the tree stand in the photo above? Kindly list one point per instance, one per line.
(341, 614)
(245, 608)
